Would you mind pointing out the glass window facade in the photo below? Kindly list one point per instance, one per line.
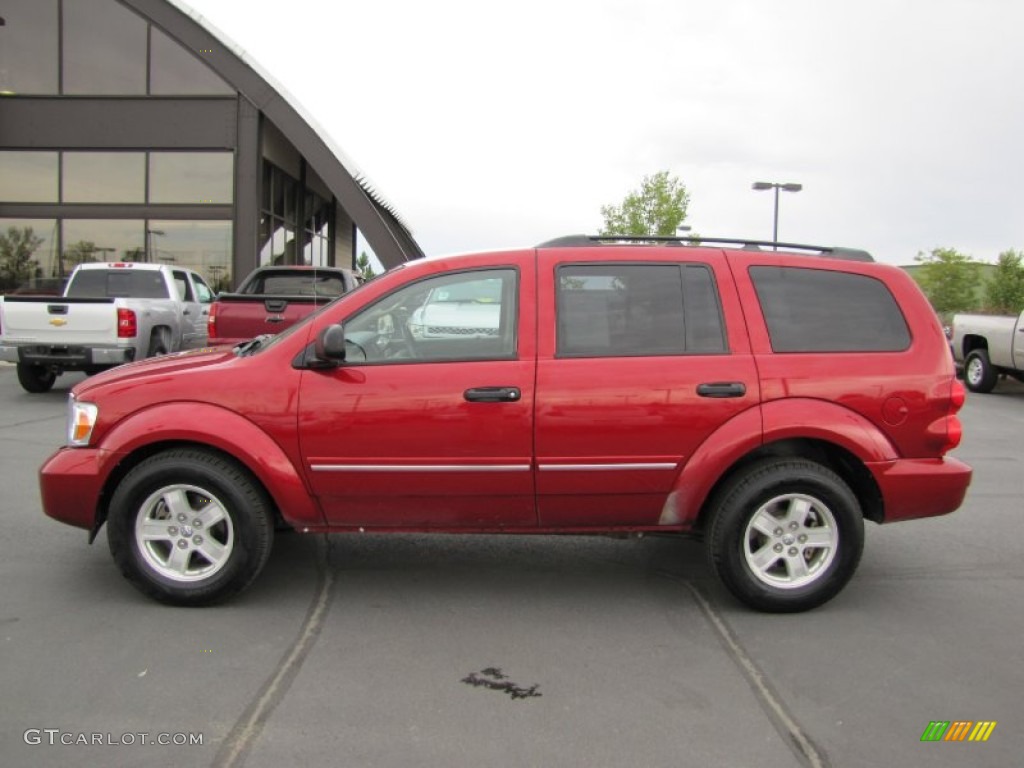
(295, 223)
(29, 177)
(28, 254)
(28, 47)
(277, 218)
(176, 71)
(316, 230)
(104, 177)
(191, 177)
(204, 246)
(88, 240)
(104, 49)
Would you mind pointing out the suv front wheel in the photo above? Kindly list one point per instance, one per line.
(786, 535)
(190, 527)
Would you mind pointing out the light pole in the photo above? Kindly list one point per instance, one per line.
(150, 245)
(760, 186)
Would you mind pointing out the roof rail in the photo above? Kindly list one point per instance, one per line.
(578, 241)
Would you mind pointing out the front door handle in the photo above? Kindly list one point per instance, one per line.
(722, 389)
(493, 394)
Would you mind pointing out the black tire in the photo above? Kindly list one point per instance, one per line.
(35, 378)
(979, 375)
(155, 540)
(786, 535)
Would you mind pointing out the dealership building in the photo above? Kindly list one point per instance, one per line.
(130, 130)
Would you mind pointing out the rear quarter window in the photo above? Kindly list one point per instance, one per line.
(816, 310)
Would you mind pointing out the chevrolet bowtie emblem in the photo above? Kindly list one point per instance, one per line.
(58, 322)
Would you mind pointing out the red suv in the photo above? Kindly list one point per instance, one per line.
(767, 401)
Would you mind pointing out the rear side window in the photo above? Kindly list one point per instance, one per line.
(622, 310)
(815, 310)
(118, 283)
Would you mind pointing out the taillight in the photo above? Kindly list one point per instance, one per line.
(954, 429)
(211, 322)
(958, 395)
(127, 324)
(954, 433)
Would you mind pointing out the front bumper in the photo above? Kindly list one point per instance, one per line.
(913, 488)
(71, 484)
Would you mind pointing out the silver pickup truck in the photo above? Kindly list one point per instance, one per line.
(109, 314)
(988, 346)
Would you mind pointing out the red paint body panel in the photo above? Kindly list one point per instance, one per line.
(914, 488)
(590, 444)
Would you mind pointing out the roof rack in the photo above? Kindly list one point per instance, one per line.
(578, 241)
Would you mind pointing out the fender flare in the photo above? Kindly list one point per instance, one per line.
(758, 427)
(208, 425)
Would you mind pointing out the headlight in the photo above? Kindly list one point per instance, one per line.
(81, 419)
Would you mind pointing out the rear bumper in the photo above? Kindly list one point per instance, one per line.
(71, 483)
(913, 488)
(66, 356)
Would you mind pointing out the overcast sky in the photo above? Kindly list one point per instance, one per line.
(492, 124)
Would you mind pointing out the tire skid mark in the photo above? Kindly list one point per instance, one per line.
(784, 721)
(250, 724)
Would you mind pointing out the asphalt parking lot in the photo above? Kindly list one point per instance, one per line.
(513, 651)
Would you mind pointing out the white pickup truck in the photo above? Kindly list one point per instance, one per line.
(109, 314)
(988, 346)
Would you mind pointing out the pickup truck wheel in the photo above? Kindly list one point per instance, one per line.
(786, 535)
(188, 527)
(157, 345)
(35, 378)
(979, 375)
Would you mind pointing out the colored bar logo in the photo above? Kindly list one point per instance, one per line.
(958, 730)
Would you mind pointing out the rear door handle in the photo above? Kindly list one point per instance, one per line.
(493, 394)
(722, 389)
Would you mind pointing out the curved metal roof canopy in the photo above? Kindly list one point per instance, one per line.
(378, 221)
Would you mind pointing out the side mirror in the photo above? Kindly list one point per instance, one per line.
(329, 347)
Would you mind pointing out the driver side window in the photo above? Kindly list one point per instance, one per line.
(460, 316)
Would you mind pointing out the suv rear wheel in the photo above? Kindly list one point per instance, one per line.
(786, 535)
(189, 527)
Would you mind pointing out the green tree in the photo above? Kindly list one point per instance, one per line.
(364, 268)
(82, 252)
(17, 246)
(1004, 294)
(949, 279)
(657, 208)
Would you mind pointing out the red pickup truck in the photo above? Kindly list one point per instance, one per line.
(271, 299)
(768, 402)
